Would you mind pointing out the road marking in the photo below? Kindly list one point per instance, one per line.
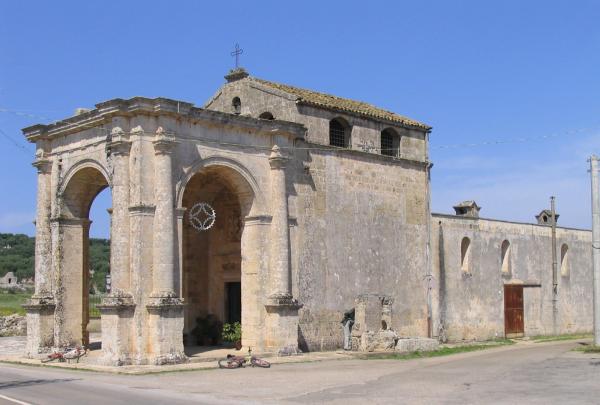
(16, 401)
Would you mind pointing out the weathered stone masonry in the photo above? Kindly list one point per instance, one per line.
(306, 230)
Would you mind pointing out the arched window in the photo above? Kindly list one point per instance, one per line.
(266, 116)
(339, 133)
(390, 142)
(505, 257)
(465, 255)
(564, 260)
(236, 104)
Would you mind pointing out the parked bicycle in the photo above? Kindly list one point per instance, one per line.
(233, 361)
(67, 354)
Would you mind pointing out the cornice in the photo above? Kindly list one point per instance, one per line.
(105, 111)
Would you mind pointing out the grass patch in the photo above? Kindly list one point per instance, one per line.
(556, 338)
(444, 351)
(588, 348)
(10, 302)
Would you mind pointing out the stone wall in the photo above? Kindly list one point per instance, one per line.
(13, 325)
(470, 300)
(362, 228)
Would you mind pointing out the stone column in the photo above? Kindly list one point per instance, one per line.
(282, 308)
(40, 308)
(280, 230)
(163, 275)
(179, 213)
(119, 230)
(43, 236)
(255, 273)
(164, 306)
(117, 308)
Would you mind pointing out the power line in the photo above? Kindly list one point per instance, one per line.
(515, 140)
(266, 148)
(364, 147)
(22, 148)
(25, 114)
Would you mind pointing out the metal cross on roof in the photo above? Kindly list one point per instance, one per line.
(238, 51)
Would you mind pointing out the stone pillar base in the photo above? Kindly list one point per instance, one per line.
(166, 330)
(40, 325)
(116, 313)
(282, 325)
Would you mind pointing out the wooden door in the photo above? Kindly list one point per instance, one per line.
(233, 302)
(514, 325)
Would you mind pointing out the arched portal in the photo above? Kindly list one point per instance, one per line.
(73, 226)
(212, 284)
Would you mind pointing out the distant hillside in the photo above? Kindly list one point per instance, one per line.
(17, 254)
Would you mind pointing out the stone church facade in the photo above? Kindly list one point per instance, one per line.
(313, 201)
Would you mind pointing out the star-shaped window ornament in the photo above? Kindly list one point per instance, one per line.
(202, 216)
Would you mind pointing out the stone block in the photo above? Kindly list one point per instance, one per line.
(418, 344)
(378, 341)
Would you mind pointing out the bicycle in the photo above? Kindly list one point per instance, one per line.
(233, 361)
(67, 354)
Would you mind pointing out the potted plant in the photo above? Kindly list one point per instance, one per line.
(232, 332)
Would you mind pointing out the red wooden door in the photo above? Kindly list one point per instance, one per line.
(514, 325)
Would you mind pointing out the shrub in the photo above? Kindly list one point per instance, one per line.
(232, 332)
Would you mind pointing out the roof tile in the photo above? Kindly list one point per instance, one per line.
(343, 104)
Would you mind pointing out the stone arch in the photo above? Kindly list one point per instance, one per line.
(218, 265)
(80, 186)
(340, 133)
(82, 164)
(390, 142)
(465, 255)
(238, 174)
(266, 116)
(506, 265)
(77, 191)
(564, 260)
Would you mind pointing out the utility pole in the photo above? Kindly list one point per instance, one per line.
(554, 268)
(596, 246)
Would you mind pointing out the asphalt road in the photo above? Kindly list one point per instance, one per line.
(530, 373)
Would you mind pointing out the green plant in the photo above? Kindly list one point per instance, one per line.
(232, 332)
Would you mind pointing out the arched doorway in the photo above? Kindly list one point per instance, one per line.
(73, 296)
(212, 282)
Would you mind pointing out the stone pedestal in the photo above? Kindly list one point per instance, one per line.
(116, 313)
(282, 326)
(40, 325)
(166, 331)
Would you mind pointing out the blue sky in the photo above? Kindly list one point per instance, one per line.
(476, 71)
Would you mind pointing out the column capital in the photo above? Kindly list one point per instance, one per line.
(163, 142)
(63, 221)
(277, 160)
(119, 145)
(180, 212)
(43, 166)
